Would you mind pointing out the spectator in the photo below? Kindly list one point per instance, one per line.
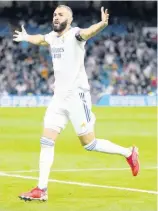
(121, 61)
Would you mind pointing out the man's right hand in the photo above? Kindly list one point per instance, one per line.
(37, 39)
(20, 36)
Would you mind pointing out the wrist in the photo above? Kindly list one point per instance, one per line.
(103, 23)
(25, 37)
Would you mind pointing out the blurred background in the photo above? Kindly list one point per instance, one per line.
(121, 60)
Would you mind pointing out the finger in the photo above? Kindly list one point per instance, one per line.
(102, 9)
(22, 27)
(16, 39)
(17, 32)
(106, 11)
(15, 35)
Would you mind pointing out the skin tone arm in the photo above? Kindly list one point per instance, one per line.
(84, 33)
(96, 28)
(34, 39)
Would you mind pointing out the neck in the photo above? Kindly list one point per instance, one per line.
(64, 31)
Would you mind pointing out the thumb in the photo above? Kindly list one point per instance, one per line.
(23, 29)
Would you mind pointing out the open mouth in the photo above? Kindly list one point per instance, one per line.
(56, 23)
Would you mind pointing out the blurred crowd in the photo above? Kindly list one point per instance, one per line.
(123, 65)
(24, 70)
(119, 61)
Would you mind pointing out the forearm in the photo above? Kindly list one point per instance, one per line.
(35, 39)
(92, 30)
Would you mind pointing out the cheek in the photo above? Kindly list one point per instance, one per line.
(62, 19)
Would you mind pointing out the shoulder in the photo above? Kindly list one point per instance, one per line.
(76, 31)
(49, 36)
(52, 33)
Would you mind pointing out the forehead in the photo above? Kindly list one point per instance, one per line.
(62, 10)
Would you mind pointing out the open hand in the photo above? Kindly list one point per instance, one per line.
(104, 16)
(20, 36)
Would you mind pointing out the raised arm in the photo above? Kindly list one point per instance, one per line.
(85, 34)
(37, 39)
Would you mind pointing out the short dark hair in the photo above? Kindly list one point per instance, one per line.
(68, 8)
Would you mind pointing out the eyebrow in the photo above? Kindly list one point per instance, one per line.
(60, 13)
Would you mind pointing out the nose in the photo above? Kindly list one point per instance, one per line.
(56, 19)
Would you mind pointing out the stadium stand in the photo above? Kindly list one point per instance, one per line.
(119, 61)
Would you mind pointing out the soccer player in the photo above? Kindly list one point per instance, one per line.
(71, 100)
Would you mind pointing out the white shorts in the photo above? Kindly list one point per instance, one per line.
(76, 108)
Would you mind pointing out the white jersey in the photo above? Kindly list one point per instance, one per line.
(68, 61)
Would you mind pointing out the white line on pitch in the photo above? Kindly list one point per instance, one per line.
(76, 170)
(81, 184)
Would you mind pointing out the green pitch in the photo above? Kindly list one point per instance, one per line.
(20, 131)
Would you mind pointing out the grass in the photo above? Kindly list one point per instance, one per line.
(20, 131)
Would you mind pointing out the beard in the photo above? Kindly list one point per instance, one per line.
(60, 27)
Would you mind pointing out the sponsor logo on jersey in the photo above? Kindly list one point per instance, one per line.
(57, 52)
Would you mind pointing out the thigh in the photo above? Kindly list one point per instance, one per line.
(55, 117)
(80, 113)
